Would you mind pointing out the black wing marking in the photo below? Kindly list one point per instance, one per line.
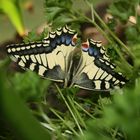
(96, 72)
(46, 57)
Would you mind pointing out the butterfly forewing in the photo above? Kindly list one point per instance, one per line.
(49, 57)
(96, 72)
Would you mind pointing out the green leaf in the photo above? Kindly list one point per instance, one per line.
(122, 9)
(52, 12)
(32, 36)
(136, 51)
(28, 86)
(59, 3)
(60, 13)
(120, 119)
(132, 35)
(12, 10)
(16, 113)
(62, 20)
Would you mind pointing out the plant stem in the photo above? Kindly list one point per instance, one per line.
(107, 28)
(115, 37)
(64, 122)
(46, 118)
(114, 133)
(84, 110)
(76, 121)
(71, 102)
(92, 13)
(109, 40)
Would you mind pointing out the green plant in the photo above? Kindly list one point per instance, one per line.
(13, 10)
(15, 113)
(120, 119)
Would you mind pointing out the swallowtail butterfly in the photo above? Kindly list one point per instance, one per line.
(54, 58)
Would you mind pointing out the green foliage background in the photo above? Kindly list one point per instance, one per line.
(25, 107)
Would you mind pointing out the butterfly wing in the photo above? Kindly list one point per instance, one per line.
(49, 58)
(95, 71)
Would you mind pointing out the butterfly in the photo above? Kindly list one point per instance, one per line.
(60, 58)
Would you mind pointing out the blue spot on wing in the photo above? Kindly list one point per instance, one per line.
(94, 51)
(62, 39)
(68, 40)
(53, 43)
(58, 40)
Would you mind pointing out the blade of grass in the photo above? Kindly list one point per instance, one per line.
(108, 29)
(64, 121)
(41, 113)
(71, 102)
(80, 107)
(122, 59)
(69, 108)
(12, 10)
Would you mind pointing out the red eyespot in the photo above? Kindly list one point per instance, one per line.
(74, 39)
(85, 45)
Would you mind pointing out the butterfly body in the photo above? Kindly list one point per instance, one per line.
(58, 58)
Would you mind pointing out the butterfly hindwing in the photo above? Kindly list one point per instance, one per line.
(49, 57)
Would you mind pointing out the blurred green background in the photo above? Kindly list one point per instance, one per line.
(32, 19)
